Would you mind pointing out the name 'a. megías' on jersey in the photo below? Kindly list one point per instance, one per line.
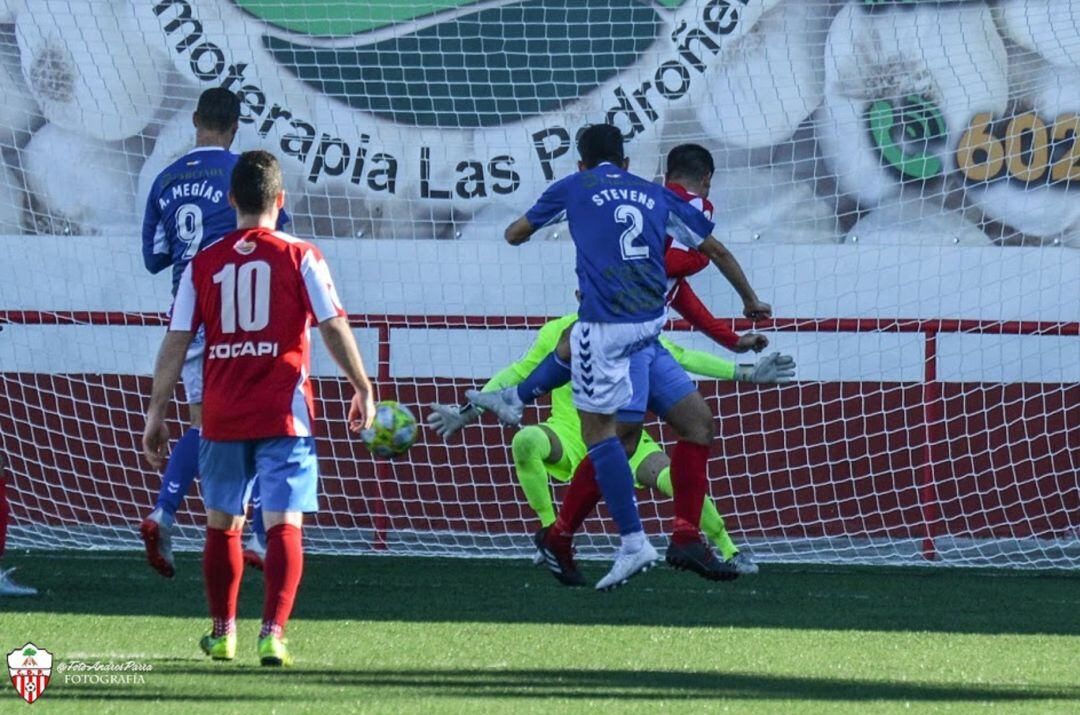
(188, 209)
(256, 293)
(619, 223)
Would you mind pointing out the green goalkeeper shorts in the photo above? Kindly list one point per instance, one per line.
(573, 451)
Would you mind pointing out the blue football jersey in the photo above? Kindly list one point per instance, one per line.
(619, 223)
(188, 209)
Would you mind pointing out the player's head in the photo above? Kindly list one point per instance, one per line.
(217, 116)
(690, 165)
(257, 189)
(600, 143)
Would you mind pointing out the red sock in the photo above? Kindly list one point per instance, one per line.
(283, 566)
(690, 483)
(3, 513)
(223, 565)
(580, 500)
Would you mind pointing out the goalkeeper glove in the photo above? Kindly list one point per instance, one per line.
(775, 369)
(447, 420)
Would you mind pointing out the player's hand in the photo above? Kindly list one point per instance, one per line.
(751, 341)
(155, 442)
(774, 369)
(447, 420)
(757, 309)
(361, 411)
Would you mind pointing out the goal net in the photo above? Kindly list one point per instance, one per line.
(898, 178)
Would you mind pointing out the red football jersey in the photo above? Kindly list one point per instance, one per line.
(682, 262)
(257, 292)
(679, 260)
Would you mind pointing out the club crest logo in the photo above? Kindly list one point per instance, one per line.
(244, 247)
(30, 668)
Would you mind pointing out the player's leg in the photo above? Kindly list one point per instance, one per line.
(288, 474)
(255, 547)
(552, 373)
(227, 469)
(652, 469)
(157, 528)
(675, 398)
(533, 449)
(509, 404)
(8, 587)
(610, 450)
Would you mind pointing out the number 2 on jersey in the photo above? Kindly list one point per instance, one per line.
(245, 296)
(627, 214)
(189, 228)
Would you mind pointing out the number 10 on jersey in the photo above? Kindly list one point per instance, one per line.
(245, 296)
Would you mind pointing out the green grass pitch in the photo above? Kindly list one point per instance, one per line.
(388, 634)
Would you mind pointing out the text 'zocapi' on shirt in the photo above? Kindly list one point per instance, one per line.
(188, 209)
(256, 293)
(619, 222)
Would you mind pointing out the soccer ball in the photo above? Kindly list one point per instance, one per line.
(393, 432)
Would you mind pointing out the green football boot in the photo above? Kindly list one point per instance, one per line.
(219, 648)
(273, 653)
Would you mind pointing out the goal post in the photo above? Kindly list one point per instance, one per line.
(898, 178)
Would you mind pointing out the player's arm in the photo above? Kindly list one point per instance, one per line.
(341, 344)
(690, 227)
(753, 307)
(689, 305)
(700, 362)
(334, 328)
(155, 248)
(170, 360)
(774, 369)
(449, 419)
(549, 208)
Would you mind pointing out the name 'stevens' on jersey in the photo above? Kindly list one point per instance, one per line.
(619, 222)
(256, 293)
(188, 209)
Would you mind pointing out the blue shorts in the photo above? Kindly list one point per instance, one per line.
(287, 468)
(659, 382)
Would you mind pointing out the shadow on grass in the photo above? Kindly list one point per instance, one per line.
(611, 684)
(505, 591)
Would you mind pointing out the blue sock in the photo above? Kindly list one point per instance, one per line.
(257, 527)
(550, 374)
(616, 483)
(180, 472)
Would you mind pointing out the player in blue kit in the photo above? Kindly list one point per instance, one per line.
(187, 210)
(619, 222)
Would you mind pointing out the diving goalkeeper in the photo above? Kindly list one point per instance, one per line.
(555, 446)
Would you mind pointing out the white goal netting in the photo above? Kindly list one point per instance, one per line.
(900, 179)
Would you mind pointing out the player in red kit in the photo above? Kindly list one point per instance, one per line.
(256, 293)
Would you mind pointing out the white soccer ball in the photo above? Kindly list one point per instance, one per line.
(80, 182)
(90, 68)
(929, 68)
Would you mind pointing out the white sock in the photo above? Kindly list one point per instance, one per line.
(633, 543)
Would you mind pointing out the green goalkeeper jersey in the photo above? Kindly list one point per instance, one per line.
(562, 406)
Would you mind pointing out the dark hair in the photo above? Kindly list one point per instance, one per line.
(690, 161)
(600, 143)
(218, 110)
(256, 182)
